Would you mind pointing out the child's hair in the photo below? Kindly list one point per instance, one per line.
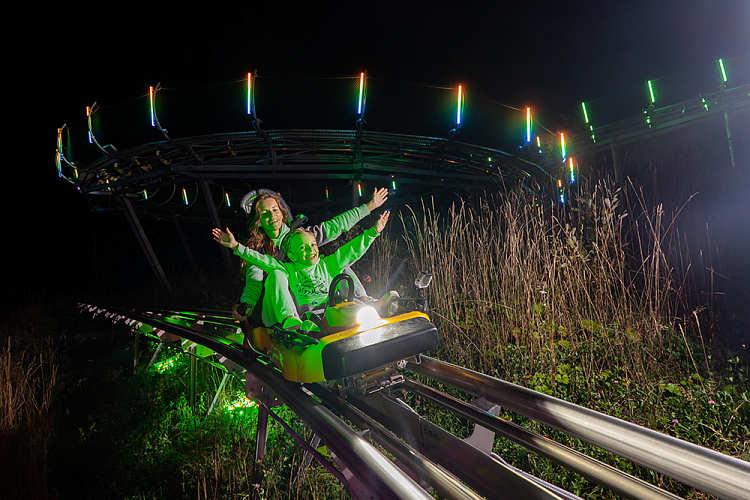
(287, 241)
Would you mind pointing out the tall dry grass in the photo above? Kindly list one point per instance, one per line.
(27, 386)
(596, 277)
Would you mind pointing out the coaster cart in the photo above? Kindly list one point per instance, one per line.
(360, 344)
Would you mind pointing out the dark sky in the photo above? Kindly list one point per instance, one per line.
(549, 54)
(554, 52)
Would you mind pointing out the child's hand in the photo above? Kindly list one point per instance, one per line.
(382, 221)
(224, 238)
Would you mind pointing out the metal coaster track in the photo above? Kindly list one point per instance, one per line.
(428, 457)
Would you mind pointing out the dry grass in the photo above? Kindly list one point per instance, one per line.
(27, 386)
(513, 271)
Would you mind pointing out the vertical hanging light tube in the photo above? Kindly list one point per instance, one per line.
(459, 106)
(651, 92)
(88, 122)
(586, 118)
(723, 70)
(562, 146)
(151, 105)
(528, 124)
(360, 103)
(572, 171)
(249, 93)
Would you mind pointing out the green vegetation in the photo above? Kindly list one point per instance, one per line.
(594, 305)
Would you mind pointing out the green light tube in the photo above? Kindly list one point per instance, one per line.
(585, 114)
(651, 92)
(723, 71)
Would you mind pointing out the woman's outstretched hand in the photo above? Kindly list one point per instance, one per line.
(382, 221)
(379, 197)
(224, 238)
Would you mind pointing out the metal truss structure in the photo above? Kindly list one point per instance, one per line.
(419, 165)
(730, 106)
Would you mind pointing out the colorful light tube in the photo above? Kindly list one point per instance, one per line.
(151, 105)
(88, 121)
(360, 103)
(572, 171)
(459, 106)
(562, 146)
(528, 124)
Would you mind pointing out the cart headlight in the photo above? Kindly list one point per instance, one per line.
(367, 316)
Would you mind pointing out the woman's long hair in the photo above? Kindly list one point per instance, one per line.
(258, 240)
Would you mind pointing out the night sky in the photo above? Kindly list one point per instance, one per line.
(552, 55)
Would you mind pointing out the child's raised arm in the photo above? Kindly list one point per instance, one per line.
(382, 221)
(224, 238)
(264, 262)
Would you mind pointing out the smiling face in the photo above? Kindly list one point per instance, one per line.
(302, 249)
(270, 216)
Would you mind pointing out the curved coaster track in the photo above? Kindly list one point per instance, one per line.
(428, 457)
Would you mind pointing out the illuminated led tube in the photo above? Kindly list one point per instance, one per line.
(528, 124)
(151, 105)
(88, 121)
(572, 172)
(651, 92)
(562, 146)
(459, 106)
(723, 70)
(249, 93)
(361, 93)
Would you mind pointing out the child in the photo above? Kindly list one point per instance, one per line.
(302, 284)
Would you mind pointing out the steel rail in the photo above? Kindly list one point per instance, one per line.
(486, 474)
(704, 469)
(446, 484)
(603, 474)
(377, 472)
